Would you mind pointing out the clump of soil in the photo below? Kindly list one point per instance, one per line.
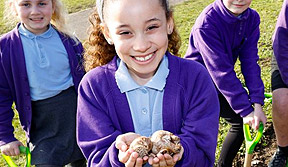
(263, 150)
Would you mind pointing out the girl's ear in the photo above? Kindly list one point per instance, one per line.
(106, 33)
(170, 25)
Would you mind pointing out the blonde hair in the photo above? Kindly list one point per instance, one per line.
(100, 52)
(58, 19)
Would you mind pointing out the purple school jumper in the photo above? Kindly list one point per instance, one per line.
(217, 40)
(190, 110)
(280, 42)
(14, 84)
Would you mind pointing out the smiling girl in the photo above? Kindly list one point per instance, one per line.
(40, 72)
(135, 86)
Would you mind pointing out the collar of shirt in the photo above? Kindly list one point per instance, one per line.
(30, 35)
(126, 83)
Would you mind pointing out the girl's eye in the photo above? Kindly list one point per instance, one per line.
(42, 3)
(124, 33)
(152, 27)
(25, 4)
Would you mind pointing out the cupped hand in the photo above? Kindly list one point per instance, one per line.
(123, 141)
(126, 155)
(166, 159)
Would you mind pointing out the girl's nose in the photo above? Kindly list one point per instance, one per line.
(34, 9)
(141, 43)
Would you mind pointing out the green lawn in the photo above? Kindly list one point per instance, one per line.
(185, 15)
(2, 28)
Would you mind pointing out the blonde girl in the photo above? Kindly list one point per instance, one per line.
(135, 86)
(40, 72)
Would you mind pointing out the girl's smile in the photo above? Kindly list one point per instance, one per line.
(236, 7)
(144, 58)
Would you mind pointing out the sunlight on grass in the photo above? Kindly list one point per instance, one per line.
(77, 5)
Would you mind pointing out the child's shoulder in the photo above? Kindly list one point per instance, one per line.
(254, 14)
(9, 35)
(186, 66)
(8, 38)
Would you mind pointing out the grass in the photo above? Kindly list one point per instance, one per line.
(185, 15)
(2, 27)
(77, 5)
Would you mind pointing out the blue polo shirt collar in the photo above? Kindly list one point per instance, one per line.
(30, 35)
(126, 83)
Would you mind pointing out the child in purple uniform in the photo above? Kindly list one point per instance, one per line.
(135, 86)
(225, 31)
(279, 82)
(40, 71)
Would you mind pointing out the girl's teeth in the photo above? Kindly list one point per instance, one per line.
(144, 58)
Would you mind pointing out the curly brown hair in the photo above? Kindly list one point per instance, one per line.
(99, 52)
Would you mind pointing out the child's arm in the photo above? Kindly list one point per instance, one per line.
(220, 65)
(251, 71)
(6, 112)
(96, 133)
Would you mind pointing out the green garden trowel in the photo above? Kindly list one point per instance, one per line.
(251, 143)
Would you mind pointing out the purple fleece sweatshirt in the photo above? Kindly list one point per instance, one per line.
(217, 40)
(190, 110)
(14, 85)
(280, 42)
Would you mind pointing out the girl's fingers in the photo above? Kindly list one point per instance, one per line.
(121, 146)
(169, 160)
(256, 123)
(150, 160)
(176, 158)
(153, 161)
(124, 156)
(162, 161)
(156, 165)
(132, 160)
(120, 143)
(139, 162)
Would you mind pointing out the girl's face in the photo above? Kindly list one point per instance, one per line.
(34, 14)
(237, 7)
(139, 31)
